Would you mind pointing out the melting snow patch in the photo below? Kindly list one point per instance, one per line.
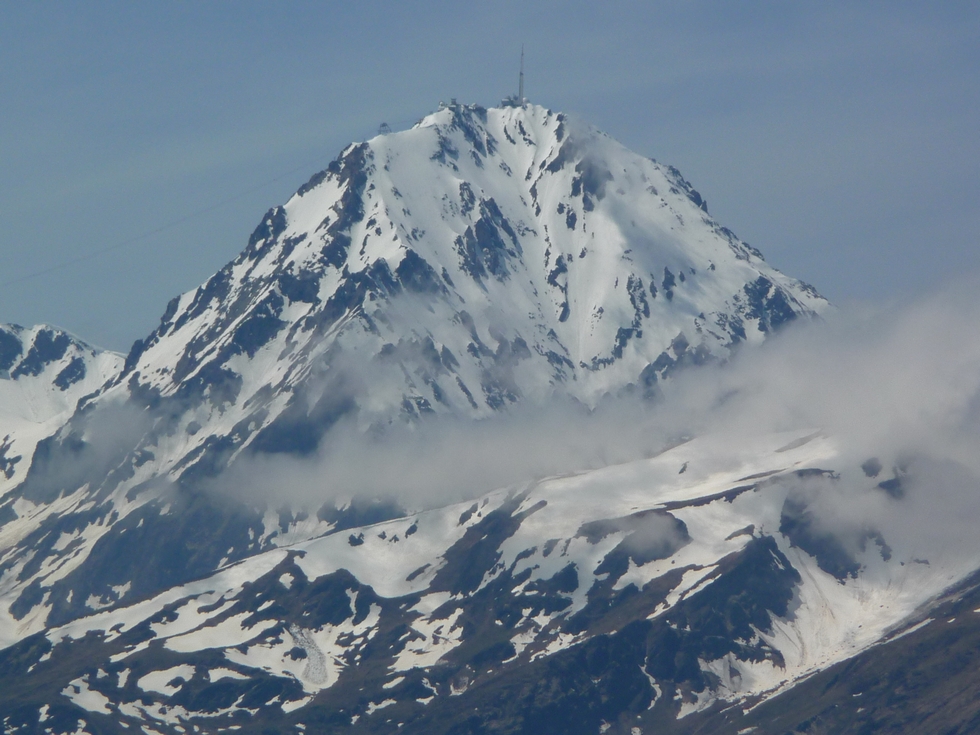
(372, 707)
(657, 693)
(64, 539)
(159, 681)
(219, 673)
(229, 632)
(88, 699)
(522, 640)
(559, 642)
(116, 657)
(286, 580)
(704, 699)
(911, 630)
(434, 639)
(737, 678)
(94, 602)
(288, 707)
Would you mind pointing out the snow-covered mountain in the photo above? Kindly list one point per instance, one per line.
(43, 373)
(480, 258)
(483, 259)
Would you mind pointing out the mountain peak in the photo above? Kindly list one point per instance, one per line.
(531, 254)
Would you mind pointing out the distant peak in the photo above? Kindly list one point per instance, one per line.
(459, 113)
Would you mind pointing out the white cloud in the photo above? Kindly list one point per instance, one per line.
(902, 385)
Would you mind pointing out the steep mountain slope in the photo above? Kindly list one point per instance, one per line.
(477, 259)
(922, 679)
(480, 259)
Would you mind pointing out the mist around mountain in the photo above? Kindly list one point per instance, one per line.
(491, 426)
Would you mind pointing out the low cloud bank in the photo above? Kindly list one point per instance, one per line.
(898, 384)
(893, 380)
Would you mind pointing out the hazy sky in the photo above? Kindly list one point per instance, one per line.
(839, 138)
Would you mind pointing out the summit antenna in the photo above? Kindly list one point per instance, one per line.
(520, 88)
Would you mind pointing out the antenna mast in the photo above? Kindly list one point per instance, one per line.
(520, 92)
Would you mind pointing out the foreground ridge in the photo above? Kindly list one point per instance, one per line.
(654, 594)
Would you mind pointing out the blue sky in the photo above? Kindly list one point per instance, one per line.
(839, 138)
